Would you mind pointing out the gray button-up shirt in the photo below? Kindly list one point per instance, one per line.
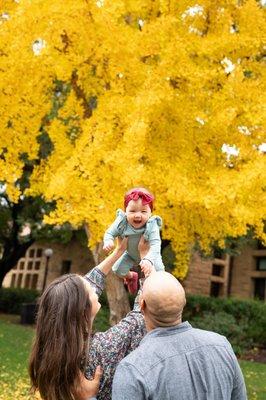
(180, 363)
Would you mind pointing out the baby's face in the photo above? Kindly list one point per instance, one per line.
(137, 214)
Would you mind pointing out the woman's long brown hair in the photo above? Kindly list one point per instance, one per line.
(62, 336)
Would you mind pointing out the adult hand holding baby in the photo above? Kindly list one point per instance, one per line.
(146, 265)
(109, 246)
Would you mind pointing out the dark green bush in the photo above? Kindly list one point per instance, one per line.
(243, 322)
(11, 299)
(226, 325)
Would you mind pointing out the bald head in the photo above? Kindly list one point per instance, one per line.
(163, 299)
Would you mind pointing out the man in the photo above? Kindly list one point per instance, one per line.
(174, 360)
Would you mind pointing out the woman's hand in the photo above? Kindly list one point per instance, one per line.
(106, 265)
(143, 247)
(121, 244)
(88, 388)
(109, 246)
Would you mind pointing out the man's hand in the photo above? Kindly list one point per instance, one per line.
(109, 246)
(143, 247)
(146, 267)
(88, 388)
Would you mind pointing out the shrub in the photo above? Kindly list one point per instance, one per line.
(11, 299)
(226, 325)
(241, 321)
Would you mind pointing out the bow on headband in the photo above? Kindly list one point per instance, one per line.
(136, 194)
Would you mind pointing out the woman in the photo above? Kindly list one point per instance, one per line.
(64, 348)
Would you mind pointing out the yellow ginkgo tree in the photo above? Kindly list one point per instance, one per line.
(163, 94)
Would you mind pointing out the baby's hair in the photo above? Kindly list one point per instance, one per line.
(139, 193)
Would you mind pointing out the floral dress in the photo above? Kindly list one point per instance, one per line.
(108, 348)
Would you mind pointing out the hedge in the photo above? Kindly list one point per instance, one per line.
(243, 322)
(11, 299)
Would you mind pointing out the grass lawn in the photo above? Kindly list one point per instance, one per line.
(15, 342)
(255, 378)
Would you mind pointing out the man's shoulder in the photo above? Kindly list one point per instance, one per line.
(200, 338)
(205, 332)
(152, 351)
(208, 337)
(154, 344)
(138, 359)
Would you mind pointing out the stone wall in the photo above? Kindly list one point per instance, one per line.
(235, 276)
(30, 270)
(209, 277)
(230, 276)
(244, 272)
(199, 276)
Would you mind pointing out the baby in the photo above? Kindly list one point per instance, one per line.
(133, 223)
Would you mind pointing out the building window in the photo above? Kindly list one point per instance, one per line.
(259, 288)
(66, 267)
(37, 265)
(19, 280)
(13, 280)
(31, 253)
(217, 270)
(27, 281)
(261, 264)
(34, 281)
(21, 265)
(30, 265)
(215, 290)
(39, 253)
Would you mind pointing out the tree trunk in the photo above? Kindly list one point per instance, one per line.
(117, 298)
(4, 269)
(116, 294)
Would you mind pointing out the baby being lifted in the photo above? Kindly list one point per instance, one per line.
(133, 223)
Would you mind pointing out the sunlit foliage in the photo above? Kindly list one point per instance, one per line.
(164, 94)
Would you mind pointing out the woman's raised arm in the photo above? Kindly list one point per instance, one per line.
(106, 265)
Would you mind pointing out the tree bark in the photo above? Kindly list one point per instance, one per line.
(117, 298)
(116, 293)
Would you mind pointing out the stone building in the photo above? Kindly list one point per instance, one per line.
(30, 270)
(243, 276)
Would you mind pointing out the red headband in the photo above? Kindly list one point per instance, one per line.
(135, 194)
